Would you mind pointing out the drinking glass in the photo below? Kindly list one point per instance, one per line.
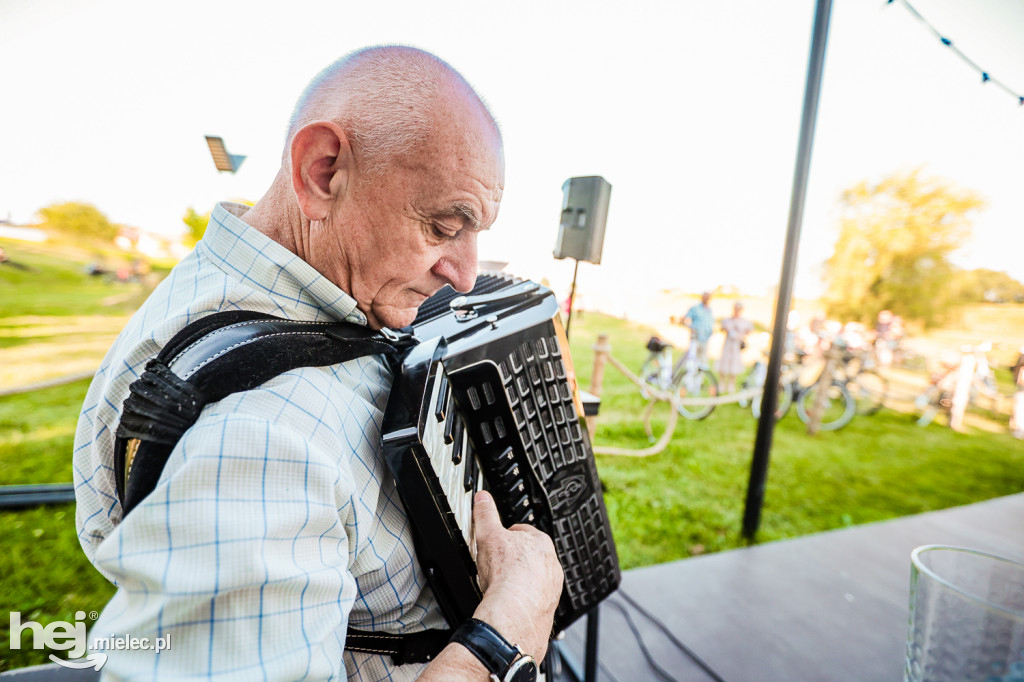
(966, 617)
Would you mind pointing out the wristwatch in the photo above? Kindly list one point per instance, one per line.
(506, 662)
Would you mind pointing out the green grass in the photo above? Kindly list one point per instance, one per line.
(687, 500)
(43, 571)
(55, 285)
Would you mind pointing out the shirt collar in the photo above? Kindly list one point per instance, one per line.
(261, 263)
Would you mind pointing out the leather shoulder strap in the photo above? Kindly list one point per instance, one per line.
(226, 353)
(416, 647)
(210, 359)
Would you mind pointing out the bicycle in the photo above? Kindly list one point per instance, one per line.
(788, 388)
(838, 407)
(938, 396)
(827, 395)
(688, 378)
(868, 388)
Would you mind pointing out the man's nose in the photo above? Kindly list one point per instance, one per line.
(458, 266)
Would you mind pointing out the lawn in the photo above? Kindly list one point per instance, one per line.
(687, 500)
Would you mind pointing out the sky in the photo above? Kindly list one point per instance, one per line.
(691, 110)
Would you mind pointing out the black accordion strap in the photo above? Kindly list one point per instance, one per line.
(416, 647)
(225, 353)
(212, 358)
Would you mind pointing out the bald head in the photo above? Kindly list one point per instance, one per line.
(388, 100)
(393, 166)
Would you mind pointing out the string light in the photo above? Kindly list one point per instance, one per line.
(986, 77)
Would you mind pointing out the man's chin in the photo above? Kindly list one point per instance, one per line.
(394, 318)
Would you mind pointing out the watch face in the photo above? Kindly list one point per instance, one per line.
(523, 669)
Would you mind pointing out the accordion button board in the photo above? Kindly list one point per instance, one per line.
(487, 399)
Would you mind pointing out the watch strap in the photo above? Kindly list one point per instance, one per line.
(487, 644)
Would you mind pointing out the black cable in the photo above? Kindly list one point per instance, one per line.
(662, 673)
(986, 77)
(675, 640)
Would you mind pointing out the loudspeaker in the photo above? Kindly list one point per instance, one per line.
(584, 212)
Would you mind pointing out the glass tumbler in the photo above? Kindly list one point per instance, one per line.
(966, 617)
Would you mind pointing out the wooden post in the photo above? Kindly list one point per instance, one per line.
(602, 349)
(832, 358)
(962, 391)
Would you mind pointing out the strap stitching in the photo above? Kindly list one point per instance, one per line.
(236, 325)
(258, 338)
(377, 635)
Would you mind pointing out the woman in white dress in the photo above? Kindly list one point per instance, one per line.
(730, 365)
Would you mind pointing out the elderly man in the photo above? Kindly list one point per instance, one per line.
(275, 525)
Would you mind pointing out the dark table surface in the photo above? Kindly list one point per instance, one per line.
(830, 607)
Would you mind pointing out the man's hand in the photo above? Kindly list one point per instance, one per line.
(520, 577)
(521, 580)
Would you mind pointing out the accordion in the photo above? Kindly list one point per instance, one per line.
(488, 398)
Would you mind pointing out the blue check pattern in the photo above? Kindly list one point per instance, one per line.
(702, 320)
(275, 524)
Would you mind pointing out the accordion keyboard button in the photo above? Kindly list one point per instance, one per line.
(442, 408)
(457, 445)
(505, 371)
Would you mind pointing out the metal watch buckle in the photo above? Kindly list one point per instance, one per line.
(520, 662)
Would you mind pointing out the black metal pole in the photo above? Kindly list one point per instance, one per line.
(16, 496)
(590, 664)
(572, 297)
(769, 399)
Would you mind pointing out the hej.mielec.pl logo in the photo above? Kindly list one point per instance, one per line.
(70, 637)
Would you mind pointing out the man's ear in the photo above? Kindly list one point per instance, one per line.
(321, 164)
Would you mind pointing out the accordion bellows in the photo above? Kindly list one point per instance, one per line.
(489, 398)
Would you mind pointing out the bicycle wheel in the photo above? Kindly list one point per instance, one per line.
(868, 389)
(785, 399)
(701, 383)
(839, 406)
(749, 382)
(930, 403)
(650, 374)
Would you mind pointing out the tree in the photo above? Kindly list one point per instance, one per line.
(988, 286)
(196, 223)
(895, 239)
(78, 218)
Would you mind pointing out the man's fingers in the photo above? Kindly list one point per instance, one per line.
(485, 515)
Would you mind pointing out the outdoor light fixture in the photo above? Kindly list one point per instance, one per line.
(221, 158)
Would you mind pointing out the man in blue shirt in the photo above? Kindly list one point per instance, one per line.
(701, 323)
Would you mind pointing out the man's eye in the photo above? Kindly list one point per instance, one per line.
(442, 233)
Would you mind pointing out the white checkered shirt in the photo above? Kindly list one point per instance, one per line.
(275, 524)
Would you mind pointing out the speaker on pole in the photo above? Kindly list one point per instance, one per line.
(584, 213)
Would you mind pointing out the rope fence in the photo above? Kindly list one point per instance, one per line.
(49, 383)
(603, 355)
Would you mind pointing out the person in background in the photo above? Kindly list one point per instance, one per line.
(730, 364)
(1017, 418)
(884, 338)
(701, 323)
